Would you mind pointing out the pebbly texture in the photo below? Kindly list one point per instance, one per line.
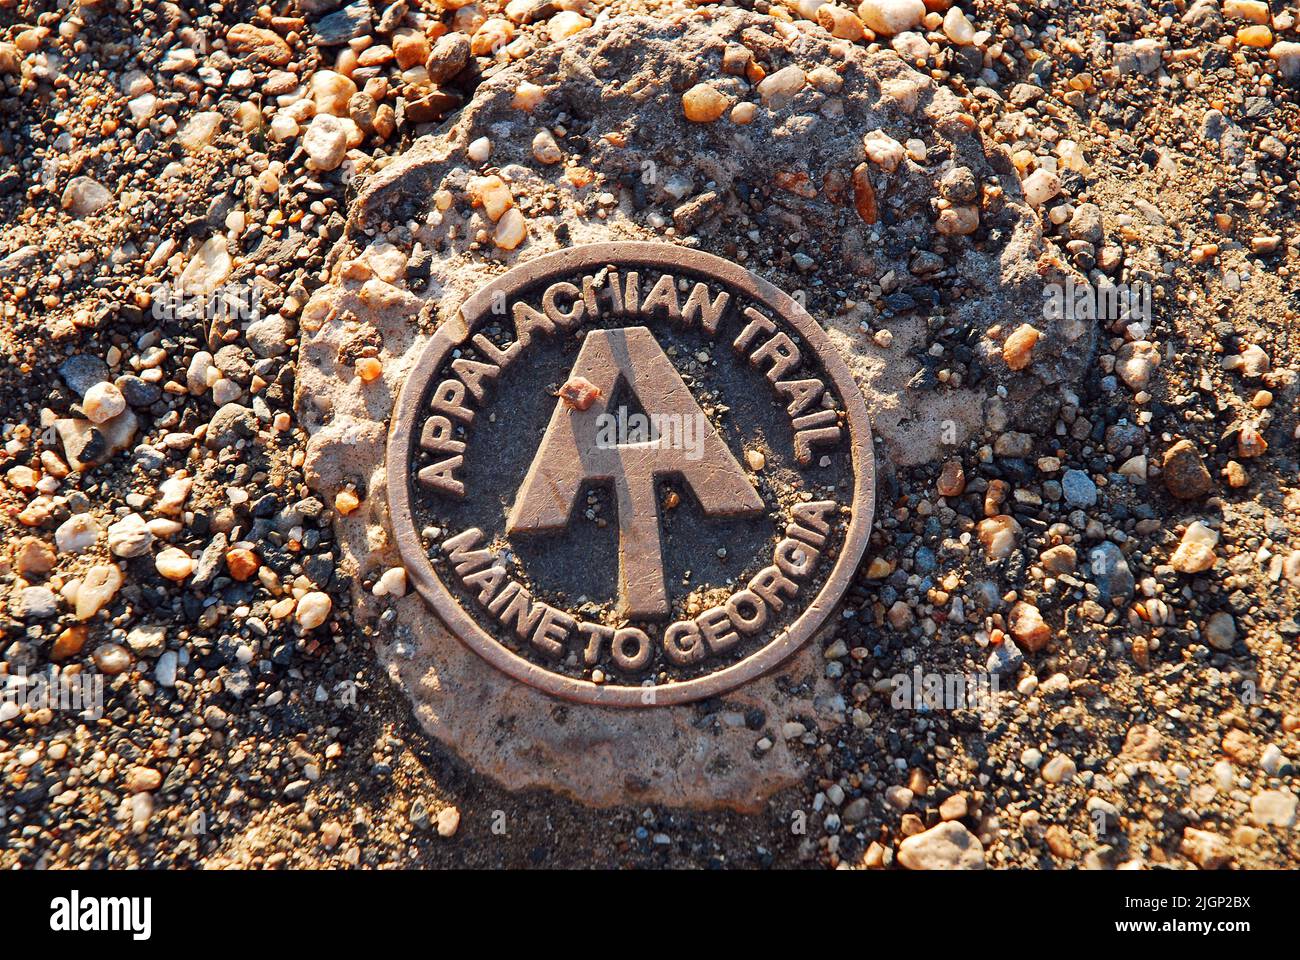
(760, 194)
(1176, 709)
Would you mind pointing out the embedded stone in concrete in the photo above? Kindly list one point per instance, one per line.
(638, 564)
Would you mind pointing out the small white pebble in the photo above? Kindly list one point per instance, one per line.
(511, 229)
(174, 564)
(391, 584)
(479, 150)
(313, 609)
(103, 402)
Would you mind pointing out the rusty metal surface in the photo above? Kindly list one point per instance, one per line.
(477, 312)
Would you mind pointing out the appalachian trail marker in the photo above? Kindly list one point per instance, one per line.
(638, 566)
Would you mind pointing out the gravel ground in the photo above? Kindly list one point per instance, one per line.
(1130, 573)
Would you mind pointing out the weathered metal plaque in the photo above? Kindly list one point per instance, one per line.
(632, 474)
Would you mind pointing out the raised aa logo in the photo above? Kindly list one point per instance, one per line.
(646, 480)
(573, 453)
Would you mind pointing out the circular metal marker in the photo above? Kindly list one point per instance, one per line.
(631, 474)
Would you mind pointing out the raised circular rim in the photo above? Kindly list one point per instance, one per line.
(473, 312)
